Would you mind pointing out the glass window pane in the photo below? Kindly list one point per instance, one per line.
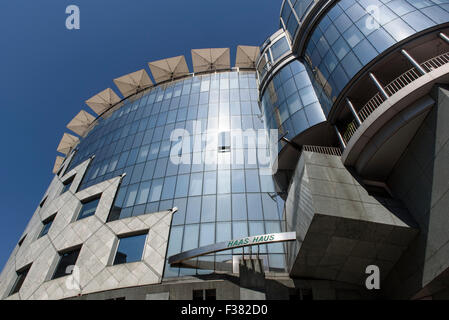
(196, 184)
(239, 230)
(144, 190)
(156, 190)
(193, 210)
(207, 235)
(238, 181)
(223, 231)
(239, 206)
(66, 259)
(182, 186)
(224, 181)
(190, 237)
(269, 207)
(208, 208)
(130, 249)
(210, 182)
(88, 209)
(254, 206)
(175, 243)
(252, 180)
(223, 207)
(169, 188)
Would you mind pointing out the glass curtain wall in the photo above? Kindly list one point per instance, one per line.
(217, 200)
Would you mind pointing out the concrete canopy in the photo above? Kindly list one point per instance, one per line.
(210, 59)
(67, 143)
(103, 100)
(132, 82)
(246, 56)
(80, 124)
(170, 68)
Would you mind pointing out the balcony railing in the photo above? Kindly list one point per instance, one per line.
(325, 150)
(392, 88)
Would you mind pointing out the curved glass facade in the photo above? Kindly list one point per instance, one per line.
(217, 200)
(300, 7)
(353, 32)
(273, 51)
(289, 102)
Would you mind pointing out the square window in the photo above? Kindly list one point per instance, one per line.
(88, 208)
(21, 275)
(130, 249)
(47, 224)
(66, 260)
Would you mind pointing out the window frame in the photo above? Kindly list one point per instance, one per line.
(46, 222)
(85, 202)
(55, 274)
(21, 276)
(67, 182)
(127, 236)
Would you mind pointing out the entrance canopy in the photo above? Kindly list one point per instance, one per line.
(232, 244)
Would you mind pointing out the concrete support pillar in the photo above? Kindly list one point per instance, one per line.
(413, 62)
(378, 85)
(353, 111)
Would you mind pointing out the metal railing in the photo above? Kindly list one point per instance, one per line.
(333, 151)
(402, 81)
(392, 88)
(436, 62)
(370, 106)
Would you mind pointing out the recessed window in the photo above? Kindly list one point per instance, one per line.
(66, 260)
(224, 141)
(88, 208)
(130, 249)
(47, 224)
(21, 275)
(208, 294)
(67, 184)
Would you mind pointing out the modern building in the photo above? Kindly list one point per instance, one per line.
(315, 168)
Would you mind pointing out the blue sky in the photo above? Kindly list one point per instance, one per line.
(47, 72)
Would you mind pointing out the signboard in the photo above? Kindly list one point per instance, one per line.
(232, 244)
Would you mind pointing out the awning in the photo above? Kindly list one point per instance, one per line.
(210, 59)
(103, 100)
(80, 124)
(67, 143)
(59, 160)
(169, 68)
(246, 56)
(131, 83)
